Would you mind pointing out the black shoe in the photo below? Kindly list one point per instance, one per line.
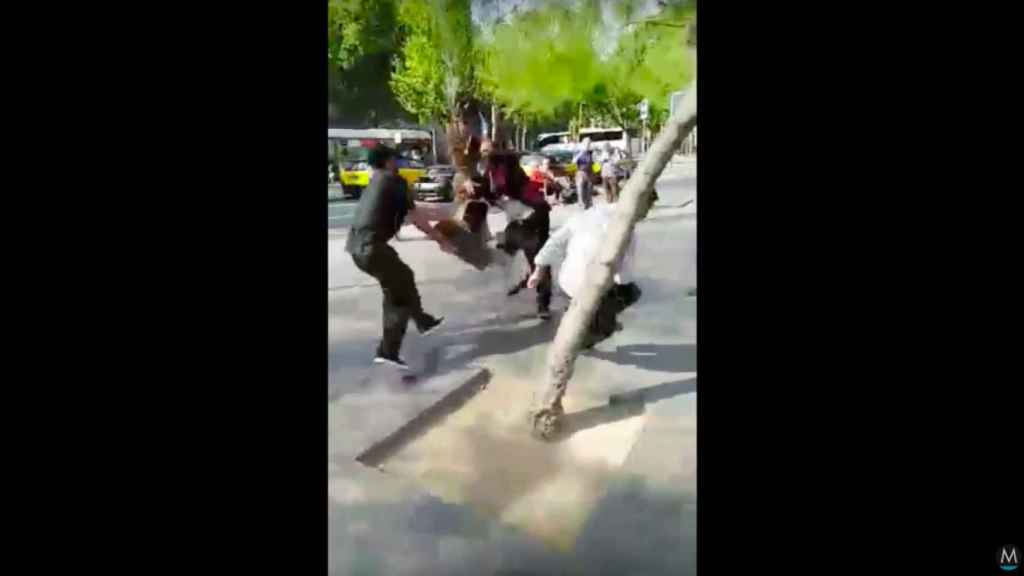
(393, 361)
(544, 314)
(430, 325)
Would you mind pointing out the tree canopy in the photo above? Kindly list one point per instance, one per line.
(546, 64)
(357, 28)
(435, 67)
(553, 58)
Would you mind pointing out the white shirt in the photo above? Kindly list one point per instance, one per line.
(514, 209)
(577, 242)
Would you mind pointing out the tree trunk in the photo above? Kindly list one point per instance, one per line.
(547, 402)
(494, 123)
(462, 152)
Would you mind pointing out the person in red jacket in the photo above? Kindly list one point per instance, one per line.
(504, 177)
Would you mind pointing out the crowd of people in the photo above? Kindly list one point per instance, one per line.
(461, 229)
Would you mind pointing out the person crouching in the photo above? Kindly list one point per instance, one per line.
(577, 243)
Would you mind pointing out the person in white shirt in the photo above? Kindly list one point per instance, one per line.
(610, 171)
(577, 243)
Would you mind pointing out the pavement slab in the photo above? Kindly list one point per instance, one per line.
(483, 456)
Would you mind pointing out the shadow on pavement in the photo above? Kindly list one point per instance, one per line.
(473, 328)
(490, 343)
(426, 536)
(657, 357)
(638, 530)
(622, 406)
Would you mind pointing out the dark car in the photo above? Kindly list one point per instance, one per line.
(435, 183)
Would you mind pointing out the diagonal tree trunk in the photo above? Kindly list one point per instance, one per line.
(547, 402)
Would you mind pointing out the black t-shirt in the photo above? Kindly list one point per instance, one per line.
(382, 208)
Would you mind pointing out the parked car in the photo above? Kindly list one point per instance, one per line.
(435, 183)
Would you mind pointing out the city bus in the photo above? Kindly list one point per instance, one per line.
(617, 137)
(348, 151)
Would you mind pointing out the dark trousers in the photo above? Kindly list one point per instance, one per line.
(401, 298)
(617, 299)
(529, 235)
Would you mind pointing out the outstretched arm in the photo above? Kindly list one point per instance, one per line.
(432, 212)
(422, 221)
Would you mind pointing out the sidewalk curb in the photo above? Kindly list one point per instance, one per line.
(382, 449)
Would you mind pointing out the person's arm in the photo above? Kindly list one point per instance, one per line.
(624, 275)
(432, 212)
(552, 251)
(420, 220)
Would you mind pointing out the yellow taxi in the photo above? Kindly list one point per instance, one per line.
(356, 176)
(564, 160)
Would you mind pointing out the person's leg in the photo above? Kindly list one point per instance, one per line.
(407, 297)
(383, 264)
(604, 322)
(401, 298)
(515, 238)
(512, 238)
(612, 187)
(583, 187)
(370, 261)
(540, 227)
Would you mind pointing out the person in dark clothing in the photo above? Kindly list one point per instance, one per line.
(584, 160)
(504, 176)
(383, 208)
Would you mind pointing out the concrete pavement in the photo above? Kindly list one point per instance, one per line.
(457, 499)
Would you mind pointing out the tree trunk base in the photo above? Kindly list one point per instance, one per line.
(547, 423)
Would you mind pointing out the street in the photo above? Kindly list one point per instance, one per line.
(452, 503)
(340, 212)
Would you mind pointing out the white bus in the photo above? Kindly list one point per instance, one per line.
(346, 145)
(617, 137)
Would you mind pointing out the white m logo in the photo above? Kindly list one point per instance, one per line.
(1008, 556)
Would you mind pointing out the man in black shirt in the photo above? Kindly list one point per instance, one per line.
(383, 208)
